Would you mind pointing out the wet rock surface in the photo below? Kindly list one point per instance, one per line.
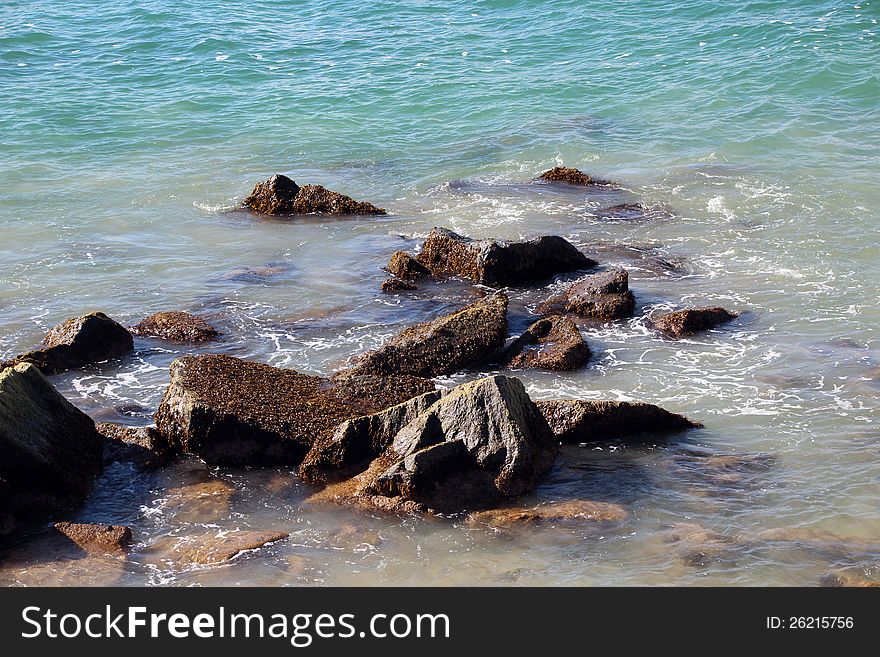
(219, 548)
(146, 447)
(404, 266)
(696, 545)
(445, 345)
(500, 263)
(199, 502)
(391, 285)
(604, 296)
(51, 452)
(691, 321)
(97, 539)
(236, 412)
(280, 196)
(584, 421)
(78, 342)
(551, 343)
(571, 176)
(571, 511)
(176, 326)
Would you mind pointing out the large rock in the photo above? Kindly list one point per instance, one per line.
(146, 447)
(50, 452)
(176, 326)
(97, 539)
(552, 343)
(500, 263)
(445, 345)
(231, 411)
(282, 196)
(604, 296)
(570, 176)
(479, 444)
(584, 421)
(690, 321)
(78, 342)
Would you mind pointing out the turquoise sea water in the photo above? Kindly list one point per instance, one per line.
(128, 132)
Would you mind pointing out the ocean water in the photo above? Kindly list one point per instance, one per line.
(129, 132)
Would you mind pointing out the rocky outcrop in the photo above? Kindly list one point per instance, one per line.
(176, 326)
(442, 346)
(236, 412)
(690, 321)
(404, 266)
(282, 196)
(500, 263)
(552, 343)
(78, 342)
(571, 176)
(145, 447)
(50, 452)
(604, 296)
(584, 421)
(97, 539)
(568, 512)
(481, 443)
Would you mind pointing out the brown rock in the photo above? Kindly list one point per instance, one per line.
(571, 511)
(231, 411)
(201, 502)
(842, 579)
(604, 296)
(391, 285)
(372, 393)
(552, 343)
(96, 539)
(402, 265)
(146, 447)
(570, 176)
(696, 545)
(78, 342)
(500, 263)
(692, 320)
(177, 326)
(282, 196)
(442, 346)
(583, 421)
(214, 549)
(50, 452)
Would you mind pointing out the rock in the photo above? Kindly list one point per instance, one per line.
(570, 176)
(843, 579)
(500, 263)
(97, 539)
(282, 196)
(358, 441)
(146, 447)
(214, 549)
(696, 545)
(202, 502)
(177, 326)
(584, 421)
(552, 343)
(821, 541)
(90, 570)
(481, 443)
(690, 321)
(78, 342)
(50, 452)
(235, 412)
(254, 274)
(372, 393)
(726, 471)
(390, 285)
(604, 296)
(633, 212)
(403, 266)
(442, 346)
(571, 511)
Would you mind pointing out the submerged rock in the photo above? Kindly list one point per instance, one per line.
(682, 323)
(404, 266)
(215, 549)
(844, 579)
(390, 285)
(571, 176)
(552, 343)
(50, 452)
(633, 212)
(442, 346)
(78, 342)
(146, 447)
(236, 412)
(604, 296)
(279, 195)
(500, 263)
(696, 545)
(97, 539)
(201, 502)
(176, 326)
(481, 443)
(571, 511)
(584, 421)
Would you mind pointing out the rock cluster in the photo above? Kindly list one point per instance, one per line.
(279, 195)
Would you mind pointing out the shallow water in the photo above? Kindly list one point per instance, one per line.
(129, 133)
